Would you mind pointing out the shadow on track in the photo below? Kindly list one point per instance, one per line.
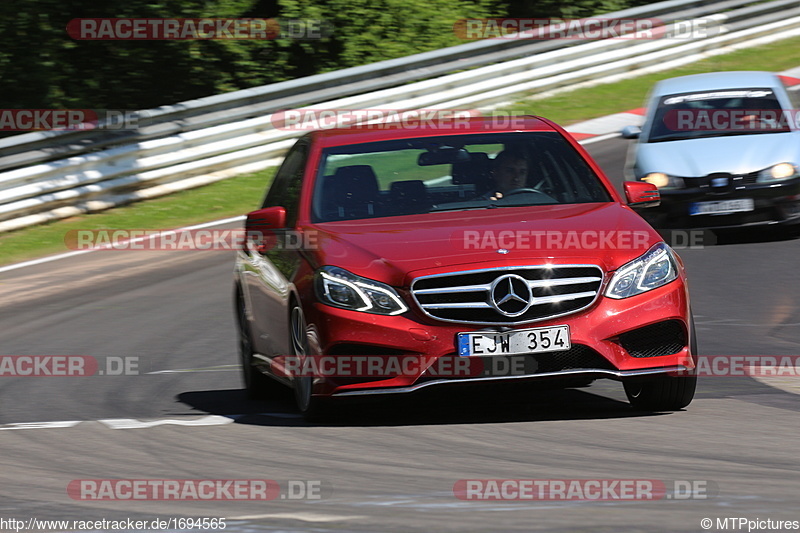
(467, 405)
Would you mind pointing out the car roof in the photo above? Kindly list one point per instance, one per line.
(717, 80)
(345, 136)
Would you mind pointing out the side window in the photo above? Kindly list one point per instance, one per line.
(285, 189)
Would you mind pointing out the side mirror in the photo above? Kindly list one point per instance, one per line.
(260, 227)
(641, 194)
(631, 132)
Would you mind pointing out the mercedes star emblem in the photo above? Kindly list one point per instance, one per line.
(511, 295)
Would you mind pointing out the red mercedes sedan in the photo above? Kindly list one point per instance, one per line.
(387, 259)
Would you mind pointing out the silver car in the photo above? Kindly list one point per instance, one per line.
(723, 148)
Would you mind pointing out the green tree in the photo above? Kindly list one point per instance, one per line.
(42, 67)
(366, 31)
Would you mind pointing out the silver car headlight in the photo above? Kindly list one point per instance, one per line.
(654, 269)
(664, 181)
(339, 288)
(779, 172)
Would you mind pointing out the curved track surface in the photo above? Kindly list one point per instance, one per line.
(390, 466)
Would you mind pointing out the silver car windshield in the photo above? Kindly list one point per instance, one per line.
(717, 114)
(452, 173)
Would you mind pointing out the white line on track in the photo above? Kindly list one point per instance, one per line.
(132, 423)
(40, 425)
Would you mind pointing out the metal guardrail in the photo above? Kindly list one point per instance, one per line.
(337, 84)
(50, 175)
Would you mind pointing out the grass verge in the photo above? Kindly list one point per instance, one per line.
(227, 198)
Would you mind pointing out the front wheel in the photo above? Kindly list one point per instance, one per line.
(664, 393)
(313, 408)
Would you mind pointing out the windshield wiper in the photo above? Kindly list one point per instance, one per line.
(461, 208)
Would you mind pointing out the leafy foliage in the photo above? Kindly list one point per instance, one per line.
(42, 67)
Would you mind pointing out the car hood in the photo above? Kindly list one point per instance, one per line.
(740, 154)
(396, 249)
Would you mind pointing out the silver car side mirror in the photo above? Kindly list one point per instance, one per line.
(631, 132)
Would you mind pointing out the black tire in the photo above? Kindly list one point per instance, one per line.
(665, 393)
(313, 408)
(257, 386)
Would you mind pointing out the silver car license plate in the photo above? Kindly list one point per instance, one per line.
(722, 207)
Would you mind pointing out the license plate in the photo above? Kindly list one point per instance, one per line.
(522, 341)
(721, 207)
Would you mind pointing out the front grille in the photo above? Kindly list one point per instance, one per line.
(537, 293)
(749, 179)
(578, 357)
(734, 180)
(663, 338)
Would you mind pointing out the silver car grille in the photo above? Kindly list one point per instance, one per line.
(508, 296)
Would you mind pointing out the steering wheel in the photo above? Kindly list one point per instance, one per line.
(523, 190)
(520, 190)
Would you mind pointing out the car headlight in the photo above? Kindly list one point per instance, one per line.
(663, 181)
(339, 288)
(781, 171)
(655, 268)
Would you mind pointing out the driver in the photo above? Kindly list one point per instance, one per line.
(509, 172)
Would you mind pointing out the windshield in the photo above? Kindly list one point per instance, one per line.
(452, 173)
(717, 114)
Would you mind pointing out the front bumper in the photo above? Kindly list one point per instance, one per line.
(564, 374)
(599, 331)
(776, 203)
